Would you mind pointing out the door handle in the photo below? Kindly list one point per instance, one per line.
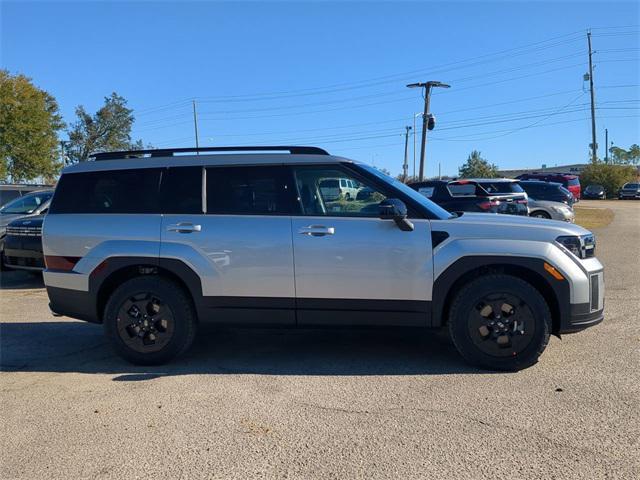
(317, 230)
(184, 227)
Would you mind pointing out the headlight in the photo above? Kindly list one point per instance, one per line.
(563, 210)
(583, 246)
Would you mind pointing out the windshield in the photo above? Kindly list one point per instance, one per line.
(435, 209)
(27, 204)
(594, 188)
(631, 185)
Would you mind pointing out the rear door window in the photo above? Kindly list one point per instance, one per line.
(181, 190)
(114, 191)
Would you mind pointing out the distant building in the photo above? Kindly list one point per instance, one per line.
(574, 169)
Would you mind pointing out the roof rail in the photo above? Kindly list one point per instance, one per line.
(169, 152)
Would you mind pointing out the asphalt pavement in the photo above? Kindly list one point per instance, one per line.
(323, 403)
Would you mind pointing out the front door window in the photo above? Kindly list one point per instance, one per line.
(319, 193)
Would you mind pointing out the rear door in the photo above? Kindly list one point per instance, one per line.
(236, 237)
(351, 267)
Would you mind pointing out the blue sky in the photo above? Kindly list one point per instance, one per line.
(333, 74)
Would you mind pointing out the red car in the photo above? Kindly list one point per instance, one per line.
(568, 181)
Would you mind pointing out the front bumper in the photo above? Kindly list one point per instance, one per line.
(23, 253)
(582, 317)
(587, 314)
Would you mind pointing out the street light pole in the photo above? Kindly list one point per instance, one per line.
(425, 118)
(594, 144)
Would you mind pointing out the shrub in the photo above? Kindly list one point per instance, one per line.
(611, 177)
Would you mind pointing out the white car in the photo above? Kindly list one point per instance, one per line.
(336, 188)
(552, 210)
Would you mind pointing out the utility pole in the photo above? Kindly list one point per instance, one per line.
(594, 145)
(414, 143)
(606, 145)
(195, 124)
(425, 118)
(405, 165)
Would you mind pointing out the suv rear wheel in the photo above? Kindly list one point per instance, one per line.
(149, 320)
(500, 322)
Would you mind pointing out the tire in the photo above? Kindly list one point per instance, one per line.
(3, 268)
(540, 214)
(347, 196)
(487, 347)
(133, 332)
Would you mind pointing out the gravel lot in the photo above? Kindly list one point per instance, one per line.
(323, 404)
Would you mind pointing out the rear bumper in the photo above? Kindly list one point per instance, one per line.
(73, 303)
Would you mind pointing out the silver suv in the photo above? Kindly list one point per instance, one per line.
(151, 243)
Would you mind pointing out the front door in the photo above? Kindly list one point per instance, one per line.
(351, 267)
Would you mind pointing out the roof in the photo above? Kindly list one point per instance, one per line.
(480, 180)
(538, 181)
(205, 160)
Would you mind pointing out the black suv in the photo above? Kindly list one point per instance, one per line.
(551, 191)
(494, 195)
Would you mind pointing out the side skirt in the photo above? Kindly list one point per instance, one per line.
(314, 312)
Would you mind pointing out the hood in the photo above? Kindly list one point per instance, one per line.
(7, 218)
(27, 221)
(547, 204)
(510, 227)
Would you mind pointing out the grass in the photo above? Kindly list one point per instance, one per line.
(591, 218)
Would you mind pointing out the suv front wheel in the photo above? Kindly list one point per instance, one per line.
(149, 320)
(500, 322)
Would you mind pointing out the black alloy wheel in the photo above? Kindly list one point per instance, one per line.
(500, 322)
(149, 320)
(145, 323)
(501, 325)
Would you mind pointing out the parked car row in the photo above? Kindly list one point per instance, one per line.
(535, 198)
(567, 180)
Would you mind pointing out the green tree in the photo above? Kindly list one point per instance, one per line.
(611, 177)
(477, 167)
(620, 156)
(29, 125)
(108, 129)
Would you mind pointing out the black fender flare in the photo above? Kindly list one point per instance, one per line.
(556, 292)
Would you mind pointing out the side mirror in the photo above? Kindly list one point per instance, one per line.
(396, 210)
